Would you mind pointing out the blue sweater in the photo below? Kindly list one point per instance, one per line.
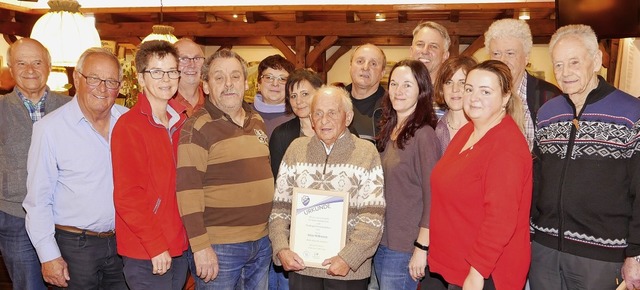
(587, 175)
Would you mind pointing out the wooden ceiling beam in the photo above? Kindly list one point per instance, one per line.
(302, 49)
(16, 28)
(310, 28)
(318, 50)
(283, 47)
(473, 47)
(335, 56)
(402, 16)
(300, 17)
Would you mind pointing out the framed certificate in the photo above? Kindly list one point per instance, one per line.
(318, 224)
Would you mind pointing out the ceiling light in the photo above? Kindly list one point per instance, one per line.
(235, 15)
(380, 17)
(65, 32)
(524, 15)
(161, 32)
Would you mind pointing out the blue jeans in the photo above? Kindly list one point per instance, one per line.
(242, 266)
(278, 278)
(139, 274)
(93, 262)
(18, 253)
(392, 269)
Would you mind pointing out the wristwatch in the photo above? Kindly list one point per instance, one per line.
(426, 248)
(637, 258)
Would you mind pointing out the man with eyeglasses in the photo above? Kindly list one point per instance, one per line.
(70, 214)
(29, 64)
(190, 60)
(332, 160)
(273, 72)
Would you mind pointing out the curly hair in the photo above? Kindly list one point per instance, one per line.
(508, 27)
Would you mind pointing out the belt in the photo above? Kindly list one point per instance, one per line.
(75, 230)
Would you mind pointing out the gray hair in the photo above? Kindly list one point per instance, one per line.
(437, 27)
(223, 53)
(98, 51)
(580, 31)
(515, 28)
(337, 91)
(48, 55)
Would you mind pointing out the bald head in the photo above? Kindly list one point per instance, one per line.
(190, 60)
(29, 63)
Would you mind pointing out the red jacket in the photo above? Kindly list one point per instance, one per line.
(480, 200)
(144, 170)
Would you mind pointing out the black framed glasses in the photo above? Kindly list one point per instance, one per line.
(196, 59)
(95, 82)
(271, 78)
(157, 74)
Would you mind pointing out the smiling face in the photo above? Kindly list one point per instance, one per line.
(272, 91)
(453, 90)
(483, 99)
(164, 88)
(29, 66)
(328, 115)
(367, 67)
(403, 91)
(428, 47)
(191, 64)
(575, 68)
(510, 51)
(96, 99)
(300, 98)
(226, 84)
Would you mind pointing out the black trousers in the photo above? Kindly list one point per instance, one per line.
(302, 282)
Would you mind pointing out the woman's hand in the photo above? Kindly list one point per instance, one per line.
(474, 280)
(417, 264)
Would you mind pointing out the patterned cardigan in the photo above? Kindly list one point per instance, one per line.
(353, 165)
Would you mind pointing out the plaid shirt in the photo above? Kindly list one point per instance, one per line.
(529, 129)
(36, 111)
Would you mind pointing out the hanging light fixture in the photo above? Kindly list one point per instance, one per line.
(65, 32)
(161, 32)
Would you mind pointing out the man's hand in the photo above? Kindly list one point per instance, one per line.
(338, 267)
(417, 264)
(474, 280)
(56, 272)
(161, 263)
(206, 262)
(290, 260)
(631, 273)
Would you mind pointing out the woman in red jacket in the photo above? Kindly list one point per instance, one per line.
(481, 190)
(150, 235)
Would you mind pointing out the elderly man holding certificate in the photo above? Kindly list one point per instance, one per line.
(329, 205)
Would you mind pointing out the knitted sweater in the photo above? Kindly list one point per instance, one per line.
(587, 176)
(225, 184)
(353, 165)
(15, 138)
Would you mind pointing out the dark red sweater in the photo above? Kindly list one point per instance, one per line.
(480, 200)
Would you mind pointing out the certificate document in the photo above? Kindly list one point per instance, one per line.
(318, 224)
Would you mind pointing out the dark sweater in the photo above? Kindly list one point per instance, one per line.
(587, 177)
(15, 139)
(367, 113)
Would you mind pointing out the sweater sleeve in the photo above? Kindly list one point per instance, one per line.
(429, 153)
(193, 154)
(633, 239)
(134, 201)
(280, 218)
(506, 175)
(364, 239)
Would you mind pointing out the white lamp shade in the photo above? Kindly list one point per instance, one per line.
(66, 35)
(161, 32)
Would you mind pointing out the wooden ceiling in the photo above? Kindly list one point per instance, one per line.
(348, 25)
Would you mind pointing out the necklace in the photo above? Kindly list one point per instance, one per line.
(451, 127)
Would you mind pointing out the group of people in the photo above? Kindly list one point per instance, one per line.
(460, 175)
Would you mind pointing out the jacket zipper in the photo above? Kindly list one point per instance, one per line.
(324, 171)
(572, 136)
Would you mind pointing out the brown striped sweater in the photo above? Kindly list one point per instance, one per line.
(225, 185)
(353, 165)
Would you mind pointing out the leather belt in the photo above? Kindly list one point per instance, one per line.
(75, 230)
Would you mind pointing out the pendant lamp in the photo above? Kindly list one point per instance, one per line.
(161, 32)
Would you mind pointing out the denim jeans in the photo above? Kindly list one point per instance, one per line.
(278, 278)
(242, 266)
(18, 253)
(392, 269)
(93, 262)
(139, 274)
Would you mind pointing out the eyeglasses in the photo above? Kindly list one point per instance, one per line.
(272, 78)
(95, 82)
(332, 114)
(157, 74)
(197, 59)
